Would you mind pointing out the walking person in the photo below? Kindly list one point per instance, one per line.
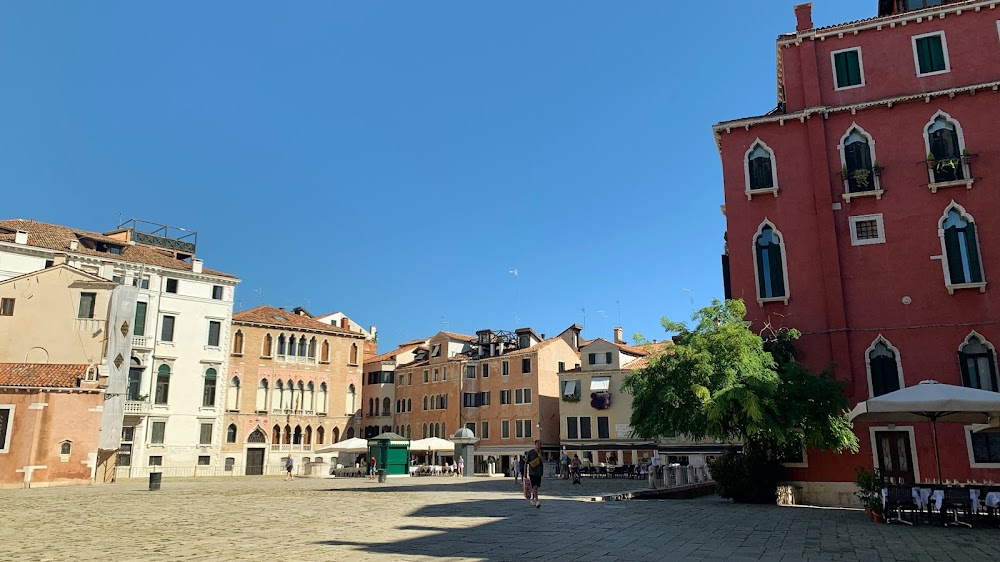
(461, 466)
(536, 468)
(564, 466)
(289, 465)
(371, 468)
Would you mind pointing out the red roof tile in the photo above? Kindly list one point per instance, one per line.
(44, 375)
(265, 315)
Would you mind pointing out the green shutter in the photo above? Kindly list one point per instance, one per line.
(853, 68)
(139, 329)
(975, 268)
(923, 55)
(592, 358)
(954, 257)
(842, 73)
(777, 271)
(930, 54)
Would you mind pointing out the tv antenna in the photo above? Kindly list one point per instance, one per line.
(517, 295)
(583, 309)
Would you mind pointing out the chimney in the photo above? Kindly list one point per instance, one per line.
(21, 237)
(803, 16)
(373, 331)
(106, 271)
(58, 259)
(345, 323)
(196, 265)
(74, 244)
(618, 335)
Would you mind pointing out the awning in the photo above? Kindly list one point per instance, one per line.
(569, 388)
(600, 383)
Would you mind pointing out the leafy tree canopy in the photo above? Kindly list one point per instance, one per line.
(722, 381)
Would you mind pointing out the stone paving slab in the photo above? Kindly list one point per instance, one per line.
(266, 518)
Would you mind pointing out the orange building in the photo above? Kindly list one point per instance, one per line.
(295, 386)
(50, 418)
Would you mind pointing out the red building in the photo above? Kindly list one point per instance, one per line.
(862, 210)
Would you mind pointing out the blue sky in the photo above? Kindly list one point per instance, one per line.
(395, 160)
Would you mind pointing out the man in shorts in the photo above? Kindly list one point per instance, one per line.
(535, 466)
(289, 465)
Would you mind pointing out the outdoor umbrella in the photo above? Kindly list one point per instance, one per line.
(934, 402)
(352, 445)
(432, 444)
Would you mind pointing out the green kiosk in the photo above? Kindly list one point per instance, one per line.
(391, 453)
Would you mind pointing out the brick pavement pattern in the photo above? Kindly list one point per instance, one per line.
(265, 518)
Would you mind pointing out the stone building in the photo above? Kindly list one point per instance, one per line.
(380, 388)
(294, 385)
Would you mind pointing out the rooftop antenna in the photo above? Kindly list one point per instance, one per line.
(260, 294)
(444, 322)
(583, 309)
(619, 305)
(517, 295)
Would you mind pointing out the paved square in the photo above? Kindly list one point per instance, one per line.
(266, 518)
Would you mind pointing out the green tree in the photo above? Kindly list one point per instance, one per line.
(722, 381)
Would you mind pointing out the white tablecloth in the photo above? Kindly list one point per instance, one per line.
(924, 495)
(938, 496)
(993, 499)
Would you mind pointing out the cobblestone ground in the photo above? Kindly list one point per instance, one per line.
(266, 518)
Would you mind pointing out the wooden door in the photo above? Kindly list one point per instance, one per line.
(255, 462)
(895, 459)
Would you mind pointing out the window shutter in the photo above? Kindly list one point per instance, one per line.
(607, 358)
(963, 362)
(991, 359)
(924, 55)
(975, 268)
(853, 68)
(777, 272)
(761, 271)
(954, 251)
(935, 53)
(593, 358)
(885, 375)
(878, 389)
(843, 79)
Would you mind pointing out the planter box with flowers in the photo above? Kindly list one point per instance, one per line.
(600, 400)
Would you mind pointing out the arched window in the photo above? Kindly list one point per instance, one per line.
(759, 170)
(437, 430)
(354, 354)
(309, 402)
(312, 348)
(266, 351)
(281, 345)
(978, 362)
(320, 434)
(278, 398)
(352, 395)
(397, 406)
(857, 159)
(231, 433)
(286, 397)
(335, 436)
(371, 406)
(884, 373)
(276, 435)
(350, 433)
(162, 384)
(423, 431)
(962, 263)
(945, 148)
(323, 399)
(65, 447)
(769, 264)
(288, 435)
(325, 352)
(238, 342)
(292, 345)
(409, 404)
(208, 393)
(385, 407)
(134, 389)
(407, 431)
(233, 395)
(307, 435)
(425, 403)
(262, 396)
(300, 392)
(303, 346)
(257, 436)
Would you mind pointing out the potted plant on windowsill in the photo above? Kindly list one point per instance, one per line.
(600, 400)
(931, 159)
(967, 155)
(861, 177)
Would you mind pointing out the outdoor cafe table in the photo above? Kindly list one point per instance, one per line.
(934, 495)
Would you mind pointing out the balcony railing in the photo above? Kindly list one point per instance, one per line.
(137, 407)
(89, 325)
(287, 448)
(142, 342)
(290, 412)
(945, 172)
(296, 359)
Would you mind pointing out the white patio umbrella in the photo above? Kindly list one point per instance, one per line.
(931, 401)
(435, 444)
(352, 445)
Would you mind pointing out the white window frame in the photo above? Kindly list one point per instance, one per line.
(784, 264)
(876, 180)
(868, 366)
(746, 170)
(833, 68)
(913, 446)
(805, 455)
(855, 241)
(944, 52)
(10, 427)
(986, 344)
(981, 285)
(968, 181)
(972, 455)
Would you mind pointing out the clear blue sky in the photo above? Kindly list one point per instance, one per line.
(395, 160)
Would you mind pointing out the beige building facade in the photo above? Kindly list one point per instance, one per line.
(294, 387)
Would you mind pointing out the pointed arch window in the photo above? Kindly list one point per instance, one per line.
(231, 433)
(276, 435)
(760, 171)
(354, 354)
(861, 174)
(233, 396)
(884, 370)
(425, 403)
(257, 436)
(409, 404)
(309, 399)
(324, 356)
(266, 348)
(262, 396)
(386, 406)
(281, 345)
(947, 158)
(321, 407)
(352, 398)
(960, 247)
(278, 396)
(320, 435)
(238, 342)
(977, 359)
(312, 349)
(303, 346)
(292, 345)
(770, 264)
